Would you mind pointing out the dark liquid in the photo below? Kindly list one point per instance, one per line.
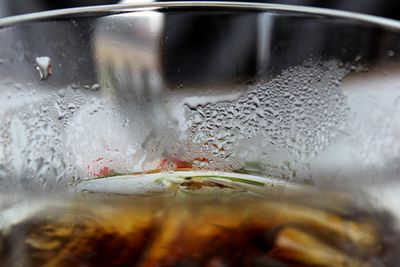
(160, 232)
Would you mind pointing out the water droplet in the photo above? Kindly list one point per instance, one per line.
(94, 110)
(43, 66)
(60, 112)
(95, 87)
(260, 112)
(61, 92)
(75, 85)
(71, 106)
(197, 119)
(126, 123)
(39, 165)
(201, 163)
(390, 53)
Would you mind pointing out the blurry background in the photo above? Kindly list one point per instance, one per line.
(385, 8)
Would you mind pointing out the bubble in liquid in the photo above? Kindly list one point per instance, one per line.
(43, 66)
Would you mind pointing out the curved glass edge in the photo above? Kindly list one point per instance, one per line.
(151, 6)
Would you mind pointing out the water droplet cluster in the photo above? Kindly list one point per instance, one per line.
(32, 134)
(300, 110)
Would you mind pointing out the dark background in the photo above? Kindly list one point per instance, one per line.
(384, 8)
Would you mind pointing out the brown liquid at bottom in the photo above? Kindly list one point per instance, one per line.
(160, 232)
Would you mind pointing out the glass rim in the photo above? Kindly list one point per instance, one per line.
(159, 6)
